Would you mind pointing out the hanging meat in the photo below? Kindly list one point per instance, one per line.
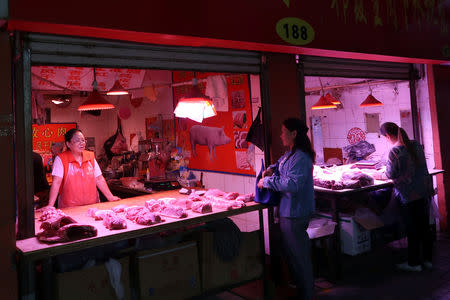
(116, 144)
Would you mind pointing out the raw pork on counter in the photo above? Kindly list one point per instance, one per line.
(341, 177)
(114, 222)
(59, 227)
(164, 207)
(51, 212)
(66, 233)
(246, 198)
(119, 208)
(57, 222)
(202, 207)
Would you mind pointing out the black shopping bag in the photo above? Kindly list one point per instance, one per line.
(255, 134)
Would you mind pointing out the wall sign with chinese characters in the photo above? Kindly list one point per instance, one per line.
(45, 135)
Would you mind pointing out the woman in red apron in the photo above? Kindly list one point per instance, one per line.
(76, 175)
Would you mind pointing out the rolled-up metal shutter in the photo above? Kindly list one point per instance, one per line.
(336, 67)
(75, 51)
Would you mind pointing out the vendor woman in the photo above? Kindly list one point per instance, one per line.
(76, 175)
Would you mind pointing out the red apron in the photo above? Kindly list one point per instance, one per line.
(78, 185)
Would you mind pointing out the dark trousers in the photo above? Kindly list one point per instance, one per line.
(420, 239)
(296, 247)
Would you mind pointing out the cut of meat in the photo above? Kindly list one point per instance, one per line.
(145, 217)
(173, 211)
(76, 231)
(57, 222)
(113, 222)
(91, 212)
(214, 192)
(132, 211)
(101, 214)
(220, 203)
(69, 232)
(51, 212)
(231, 196)
(202, 207)
(195, 197)
(184, 203)
(246, 198)
(153, 205)
(119, 208)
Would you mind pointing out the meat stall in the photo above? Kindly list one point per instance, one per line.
(343, 190)
(101, 232)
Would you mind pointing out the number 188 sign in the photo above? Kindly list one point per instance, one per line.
(295, 31)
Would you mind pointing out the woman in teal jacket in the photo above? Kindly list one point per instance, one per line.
(295, 182)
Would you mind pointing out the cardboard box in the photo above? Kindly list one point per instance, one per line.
(355, 231)
(91, 283)
(168, 273)
(217, 273)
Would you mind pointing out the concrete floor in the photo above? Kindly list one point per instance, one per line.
(371, 276)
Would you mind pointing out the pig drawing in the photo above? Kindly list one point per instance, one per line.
(207, 136)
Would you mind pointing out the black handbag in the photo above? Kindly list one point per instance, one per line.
(255, 134)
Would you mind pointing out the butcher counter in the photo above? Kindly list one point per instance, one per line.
(338, 199)
(31, 250)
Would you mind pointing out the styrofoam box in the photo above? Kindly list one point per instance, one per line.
(354, 238)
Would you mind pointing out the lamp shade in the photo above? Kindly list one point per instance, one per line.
(117, 90)
(323, 103)
(195, 106)
(370, 101)
(332, 99)
(95, 101)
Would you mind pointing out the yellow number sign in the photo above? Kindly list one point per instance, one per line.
(295, 31)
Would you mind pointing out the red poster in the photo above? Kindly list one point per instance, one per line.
(45, 135)
(218, 143)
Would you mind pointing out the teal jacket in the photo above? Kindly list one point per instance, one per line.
(295, 182)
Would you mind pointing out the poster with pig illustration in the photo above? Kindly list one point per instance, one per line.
(218, 143)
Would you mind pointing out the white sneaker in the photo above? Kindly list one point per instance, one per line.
(406, 267)
(428, 264)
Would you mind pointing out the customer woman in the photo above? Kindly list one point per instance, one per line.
(408, 170)
(76, 175)
(295, 182)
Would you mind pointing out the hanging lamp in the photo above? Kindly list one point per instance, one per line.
(370, 100)
(195, 105)
(323, 102)
(117, 89)
(95, 101)
(332, 99)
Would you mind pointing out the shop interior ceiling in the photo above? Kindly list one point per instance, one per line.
(77, 81)
(315, 84)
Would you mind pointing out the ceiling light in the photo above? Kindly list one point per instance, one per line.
(370, 101)
(195, 105)
(323, 103)
(117, 89)
(332, 99)
(95, 101)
